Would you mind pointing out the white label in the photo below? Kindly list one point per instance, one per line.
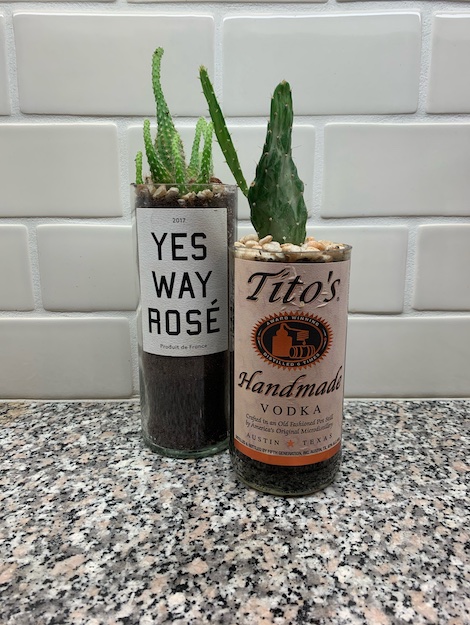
(183, 280)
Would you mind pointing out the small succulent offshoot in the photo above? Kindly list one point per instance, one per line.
(165, 154)
(275, 196)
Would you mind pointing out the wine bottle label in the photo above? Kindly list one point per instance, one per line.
(290, 340)
(182, 256)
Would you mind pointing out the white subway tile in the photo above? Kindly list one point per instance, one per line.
(5, 108)
(65, 358)
(449, 91)
(396, 169)
(361, 63)
(87, 267)
(392, 1)
(442, 267)
(378, 265)
(248, 141)
(233, 1)
(52, 170)
(16, 287)
(375, 287)
(22, 1)
(414, 357)
(100, 64)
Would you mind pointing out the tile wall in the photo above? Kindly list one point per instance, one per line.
(382, 142)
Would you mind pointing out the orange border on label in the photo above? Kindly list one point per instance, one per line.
(286, 461)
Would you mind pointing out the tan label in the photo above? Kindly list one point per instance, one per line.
(290, 341)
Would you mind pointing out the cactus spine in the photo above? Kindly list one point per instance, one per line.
(275, 196)
(165, 155)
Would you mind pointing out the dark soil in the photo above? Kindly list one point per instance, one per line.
(287, 481)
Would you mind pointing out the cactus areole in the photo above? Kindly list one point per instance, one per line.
(275, 196)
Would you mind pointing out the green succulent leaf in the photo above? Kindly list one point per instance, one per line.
(206, 157)
(194, 163)
(223, 136)
(157, 169)
(165, 127)
(180, 166)
(138, 168)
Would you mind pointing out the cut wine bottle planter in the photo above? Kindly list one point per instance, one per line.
(183, 242)
(290, 307)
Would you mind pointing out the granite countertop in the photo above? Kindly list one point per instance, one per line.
(96, 529)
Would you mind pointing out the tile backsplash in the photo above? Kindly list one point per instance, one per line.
(381, 140)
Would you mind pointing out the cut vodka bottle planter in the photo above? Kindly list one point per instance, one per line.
(290, 305)
(183, 241)
(290, 337)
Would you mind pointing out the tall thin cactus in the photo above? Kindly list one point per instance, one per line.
(275, 196)
(138, 168)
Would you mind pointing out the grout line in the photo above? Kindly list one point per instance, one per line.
(35, 271)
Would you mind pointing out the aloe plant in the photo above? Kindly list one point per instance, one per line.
(275, 196)
(165, 154)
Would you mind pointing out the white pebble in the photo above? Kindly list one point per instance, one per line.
(159, 192)
(267, 239)
(249, 237)
(172, 193)
(274, 247)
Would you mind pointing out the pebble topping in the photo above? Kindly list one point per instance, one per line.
(251, 247)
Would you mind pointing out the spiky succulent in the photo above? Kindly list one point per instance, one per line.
(275, 196)
(165, 154)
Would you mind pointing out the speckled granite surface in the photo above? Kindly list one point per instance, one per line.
(96, 529)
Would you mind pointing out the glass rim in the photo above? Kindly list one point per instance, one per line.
(292, 256)
(186, 184)
(344, 247)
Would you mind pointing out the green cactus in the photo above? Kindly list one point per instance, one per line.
(157, 169)
(180, 166)
(138, 168)
(164, 142)
(221, 132)
(195, 161)
(276, 195)
(206, 156)
(165, 154)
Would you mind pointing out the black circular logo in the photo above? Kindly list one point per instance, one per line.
(292, 339)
